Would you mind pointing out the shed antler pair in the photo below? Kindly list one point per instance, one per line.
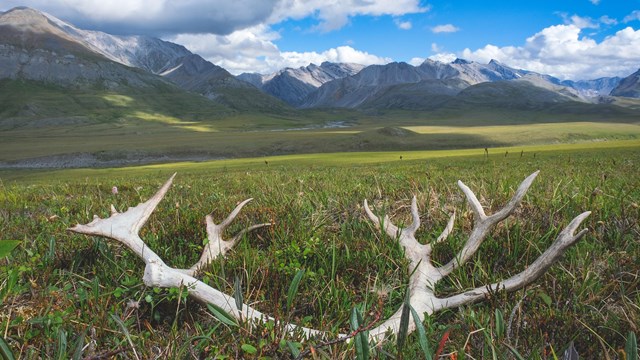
(124, 227)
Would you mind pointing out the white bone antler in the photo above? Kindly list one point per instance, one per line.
(425, 274)
(124, 227)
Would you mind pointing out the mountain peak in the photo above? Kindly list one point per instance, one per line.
(23, 16)
(461, 61)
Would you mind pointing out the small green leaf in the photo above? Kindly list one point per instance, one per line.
(237, 292)
(499, 324)
(78, 345)
(631, 347)
(222, 315)
(293, 288)
(148, 298)
(404, 322)
(6, 246)
(362, 338)
(544, 297)
(5, 351)
(293, 348)
(249, 349)
(514, 352)
(61, 344)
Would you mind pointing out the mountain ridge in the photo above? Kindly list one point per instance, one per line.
(328, 85)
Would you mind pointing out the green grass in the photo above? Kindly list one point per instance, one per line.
(59, 290)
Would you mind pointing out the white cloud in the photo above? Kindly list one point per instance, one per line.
(595, 2)
(403, 25)
(334, 14)
(436, 48)
(447, 28)
(560, 51)
(582, 22)
(444, 57)
(634, 16)
(607, 20)
(166, 17)
(253, 50)
(416, 61)
(156, 17)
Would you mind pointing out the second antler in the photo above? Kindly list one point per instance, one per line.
(425, 274)
(124, 228)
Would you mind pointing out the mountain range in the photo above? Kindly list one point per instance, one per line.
(38, 47)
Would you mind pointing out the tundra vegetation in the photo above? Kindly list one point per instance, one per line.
(322, 264)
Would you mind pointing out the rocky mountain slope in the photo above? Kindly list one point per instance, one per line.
(400, 85)
(629, 86)
(86, 56)
(40, 47)
(293, 85)
(34, 48)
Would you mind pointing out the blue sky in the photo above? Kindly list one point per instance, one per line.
(574, 39)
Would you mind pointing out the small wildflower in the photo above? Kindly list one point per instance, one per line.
(114, 190)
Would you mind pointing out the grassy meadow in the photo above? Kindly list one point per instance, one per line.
(64, 295)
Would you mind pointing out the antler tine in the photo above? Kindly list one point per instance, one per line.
(233, 214)
(484, 223)
(448, 229)
(565, 239)
(216, 245)
(415, 224)
(389, 227)
(473, 201)
(124, 227)
(515, 200)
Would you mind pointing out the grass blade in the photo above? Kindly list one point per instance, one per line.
(237, 292)
(79, 344)
(404, 322)
(293, 349)
(631, 346)
(222, 315)
(5, 350)
(6, 246)
(361, 338)
(126, 333)
(422, 335)
(499, 324)
(293, 288)
(514, 352)
(61, 348)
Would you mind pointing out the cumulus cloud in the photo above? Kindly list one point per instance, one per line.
(582, 22)
(608, 20)
(447, 28)
(166, 17)
(237, 35)
(253, 50)
(634, 16)
(560, 51)
(416, 61)
(334, 14)
(403, 25)
(156, 17)
(443, 57)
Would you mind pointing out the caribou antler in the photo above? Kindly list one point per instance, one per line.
(124, 227)
(425, 274)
